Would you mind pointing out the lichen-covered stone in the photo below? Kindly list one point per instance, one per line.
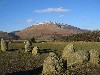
(78, 58)
(4, 45)
(94, 56)
(52, 65)
(28, 46)
(28, 43)
(68, 51)
(35, 50)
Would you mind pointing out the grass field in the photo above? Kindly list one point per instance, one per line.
(15, 61)
(59, 46)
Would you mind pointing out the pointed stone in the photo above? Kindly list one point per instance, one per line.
(4, 45)
(28, 46)
(35, 50)
(52, 65)
(78, 58)
(68, 51)
(94, 56)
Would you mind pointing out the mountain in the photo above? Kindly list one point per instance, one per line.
(13, 33)
(46, 30)
(7, 36)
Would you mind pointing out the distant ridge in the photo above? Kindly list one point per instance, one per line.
(45, 30)
(8, 36)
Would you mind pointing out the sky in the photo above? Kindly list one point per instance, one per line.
(20, 14)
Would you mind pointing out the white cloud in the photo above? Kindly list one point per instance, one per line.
(60, 9)
(30, 21)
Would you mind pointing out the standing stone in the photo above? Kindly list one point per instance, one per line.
(94, 56)
(35, 50)
(78, 58)
(28, 46)
(52, 65)
(68, 51)
(4, 45)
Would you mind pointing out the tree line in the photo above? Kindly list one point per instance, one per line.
(91, 36)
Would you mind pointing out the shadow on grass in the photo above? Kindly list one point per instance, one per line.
(35, 71)
(15, 49)
(12, 49)
(65, 64)
(46, 51)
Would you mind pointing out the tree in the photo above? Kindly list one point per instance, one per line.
(33, 39)
(56, 37)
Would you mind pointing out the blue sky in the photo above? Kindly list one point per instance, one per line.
(19, 14)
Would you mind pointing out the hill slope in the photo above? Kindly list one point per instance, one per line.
(45, 30)
(7, 36)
